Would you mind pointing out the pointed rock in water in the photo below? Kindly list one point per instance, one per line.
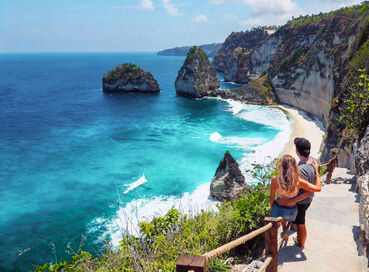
(128, 77)
(196, 77)
(228, 182)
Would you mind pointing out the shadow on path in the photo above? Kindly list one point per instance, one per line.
(291, 254)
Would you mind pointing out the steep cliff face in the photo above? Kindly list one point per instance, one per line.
(245, 55)
(129, 78)
(244, 40)
(308, 65)
(312, 62)
(196, 77)
(238, 66)
(338, 134)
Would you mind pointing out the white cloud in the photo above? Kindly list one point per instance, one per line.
(146, 4)
(200, 19)
(264, 6)
(267, 12)
(332, 4)
(230, 17)
(170, 8)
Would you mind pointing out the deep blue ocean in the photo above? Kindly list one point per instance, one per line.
(68, 151)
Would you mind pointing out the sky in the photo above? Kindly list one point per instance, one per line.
(139, 25)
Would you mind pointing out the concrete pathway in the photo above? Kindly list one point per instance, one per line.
(332, 223)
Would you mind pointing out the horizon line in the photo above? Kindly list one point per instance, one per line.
(74, 52)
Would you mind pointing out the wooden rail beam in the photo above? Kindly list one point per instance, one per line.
(193, 263)
(271, 243)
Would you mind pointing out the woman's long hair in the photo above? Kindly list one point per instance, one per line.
(289, 173)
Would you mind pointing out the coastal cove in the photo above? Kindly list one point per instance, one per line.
(75, 161)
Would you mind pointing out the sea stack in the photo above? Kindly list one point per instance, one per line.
(228, 182)
(196, 77)
(128, 77)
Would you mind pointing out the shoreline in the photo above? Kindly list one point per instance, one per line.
(303, 125)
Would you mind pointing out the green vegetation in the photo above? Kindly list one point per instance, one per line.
(198, 86)
(301, 20)
(263, 73)
(268, 87)
(347, 11)
(126, 70)
(197, 51)
(356, 107)
(354, 111)
(163, 239)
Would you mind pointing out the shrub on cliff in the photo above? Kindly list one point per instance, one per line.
(356, 107)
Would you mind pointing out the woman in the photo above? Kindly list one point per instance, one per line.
(287, 185)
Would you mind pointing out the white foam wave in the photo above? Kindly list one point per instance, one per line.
(235, 106)
(241, 142)
(128, 216)
(215, 137)
(262, 152)
(137, 183)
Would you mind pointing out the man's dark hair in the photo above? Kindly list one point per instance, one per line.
(303, 146)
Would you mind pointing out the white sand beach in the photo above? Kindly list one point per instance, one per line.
(303, 125)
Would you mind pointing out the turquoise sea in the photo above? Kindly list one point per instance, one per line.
(78, 166)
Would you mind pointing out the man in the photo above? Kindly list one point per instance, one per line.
(332, 163)
(303, 199)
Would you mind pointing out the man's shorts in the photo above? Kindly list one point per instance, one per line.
(301, 212)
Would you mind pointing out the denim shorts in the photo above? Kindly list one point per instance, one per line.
(288, 213)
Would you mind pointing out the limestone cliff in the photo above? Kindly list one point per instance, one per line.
(129, 78)
(228, 182)
(245, 40)
(311, 64)
(308, 65)
(196, 77)
(245, 55)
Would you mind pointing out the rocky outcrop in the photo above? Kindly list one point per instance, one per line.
(362, 172)
(196, 77)
(363, 190)
(362, 155)
(244, 66)
(245, 40)
(209, 49)
(228, 182)
(129, 78)
(237, 67)
(257, 92)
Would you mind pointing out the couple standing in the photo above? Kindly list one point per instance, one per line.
(294, 187)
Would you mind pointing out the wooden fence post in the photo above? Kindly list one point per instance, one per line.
(193, 263)
(271, 243)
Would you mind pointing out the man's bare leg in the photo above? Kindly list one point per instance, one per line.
(301, 235)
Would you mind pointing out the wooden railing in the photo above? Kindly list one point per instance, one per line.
(192, 263)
